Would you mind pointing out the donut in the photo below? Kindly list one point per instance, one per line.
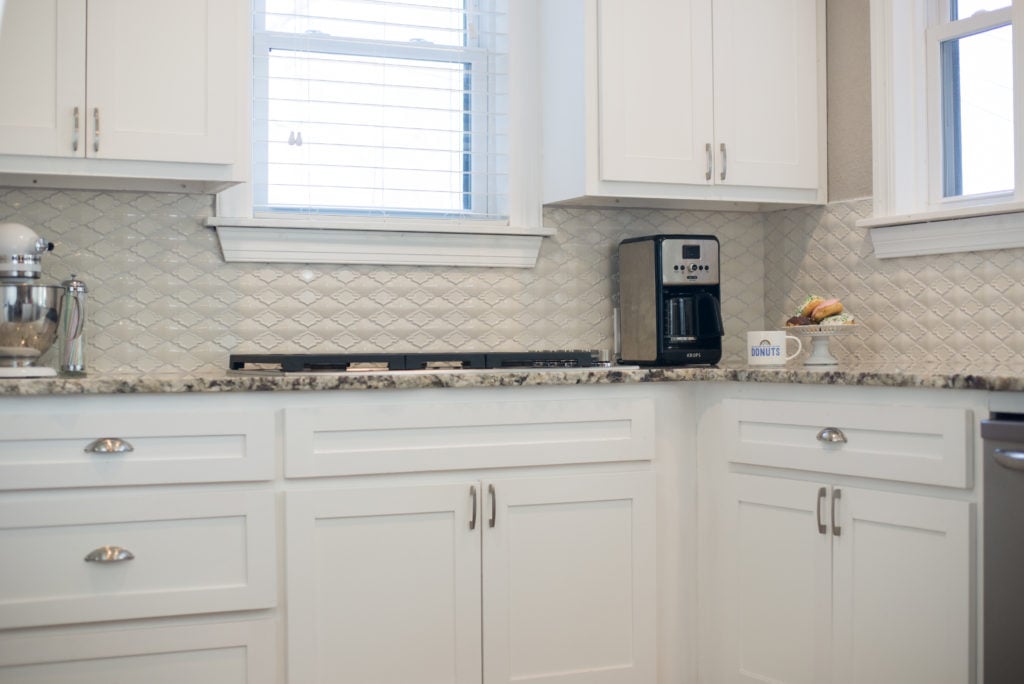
(829, 307)
(799, 320)
(808, 305)
(838, 319)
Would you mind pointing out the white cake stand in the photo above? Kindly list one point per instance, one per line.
(818, 337)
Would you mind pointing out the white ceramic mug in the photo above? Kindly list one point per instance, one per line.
(768, 347)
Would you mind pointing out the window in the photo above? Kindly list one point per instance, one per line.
(947, 133)
(391, 132)
(380, 107)
(975, 71)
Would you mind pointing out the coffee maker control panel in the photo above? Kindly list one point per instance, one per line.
(689, 262)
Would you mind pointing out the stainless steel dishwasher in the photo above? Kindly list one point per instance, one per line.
(1003, 511)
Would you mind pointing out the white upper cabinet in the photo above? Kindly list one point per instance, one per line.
(141, 89)
(649, 132)
(668, 103)
(42, 76)
(767, 93)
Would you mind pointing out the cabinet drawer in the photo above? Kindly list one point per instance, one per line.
(43, 450)
(414, 436)
(197, 654)
(923, 444)
(193, 553)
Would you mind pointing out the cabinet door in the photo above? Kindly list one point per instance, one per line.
(569, 580)
(654, 65)
(766, 66)
(902, 588)
(162, 81)
(383, 585)
(778, 591)
(42, 77)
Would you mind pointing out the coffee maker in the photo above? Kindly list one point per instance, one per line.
(670, 310)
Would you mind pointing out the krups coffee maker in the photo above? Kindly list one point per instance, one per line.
(670, 300)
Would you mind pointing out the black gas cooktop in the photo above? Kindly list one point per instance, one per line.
(298, 363)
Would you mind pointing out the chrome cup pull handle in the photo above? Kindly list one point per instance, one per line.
(831, 435)
(1014, 460)
(109, 554)
(109, 445)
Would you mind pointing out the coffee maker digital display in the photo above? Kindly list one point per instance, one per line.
(670, 300)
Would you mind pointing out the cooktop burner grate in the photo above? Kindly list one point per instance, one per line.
(298, 363)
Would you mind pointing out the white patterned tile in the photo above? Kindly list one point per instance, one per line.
(162, 299)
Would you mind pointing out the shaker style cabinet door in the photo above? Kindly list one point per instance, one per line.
(766, 92)
(779, 579)
(162, 80)
(655, 91)
(42, 77)
(570, 580)
(383, 585)
(902, 589)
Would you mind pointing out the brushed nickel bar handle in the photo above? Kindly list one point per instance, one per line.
(831, 435)
(494, 506)
(822, 527)
(710, 158)
(74, 132)
(109, 554)
(472, 499)
(836, 495)
(725, 160)
(96, 129)
(109, 445)
(1014, 460)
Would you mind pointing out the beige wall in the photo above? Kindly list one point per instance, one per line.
(849, 100)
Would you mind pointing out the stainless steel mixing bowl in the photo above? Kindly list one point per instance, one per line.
(28, 321)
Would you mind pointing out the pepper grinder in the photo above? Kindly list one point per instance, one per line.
(72, 326)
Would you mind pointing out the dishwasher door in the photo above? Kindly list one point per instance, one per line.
(1003, 473)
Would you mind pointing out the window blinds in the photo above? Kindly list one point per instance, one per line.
(375, 107)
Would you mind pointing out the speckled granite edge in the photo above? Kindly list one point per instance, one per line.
(181, 384)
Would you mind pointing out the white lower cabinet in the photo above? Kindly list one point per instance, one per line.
(843, 584)
(546, 579)
(838, 536)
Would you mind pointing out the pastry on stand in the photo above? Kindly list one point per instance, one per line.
(819, 319)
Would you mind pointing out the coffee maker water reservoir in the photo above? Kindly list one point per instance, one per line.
(670, 300)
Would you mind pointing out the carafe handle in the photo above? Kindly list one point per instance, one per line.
(709, 316)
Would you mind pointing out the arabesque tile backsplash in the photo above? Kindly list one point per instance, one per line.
(162, 299)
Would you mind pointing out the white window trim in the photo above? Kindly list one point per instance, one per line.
(907, 220)
(394, 241)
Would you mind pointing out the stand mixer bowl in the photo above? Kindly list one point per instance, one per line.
(29, 318)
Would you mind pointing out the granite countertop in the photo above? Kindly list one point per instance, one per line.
(271, 381)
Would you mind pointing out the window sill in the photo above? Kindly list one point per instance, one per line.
(380, 242)
(949, 231)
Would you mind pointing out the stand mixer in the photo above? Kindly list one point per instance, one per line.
(33, 316)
